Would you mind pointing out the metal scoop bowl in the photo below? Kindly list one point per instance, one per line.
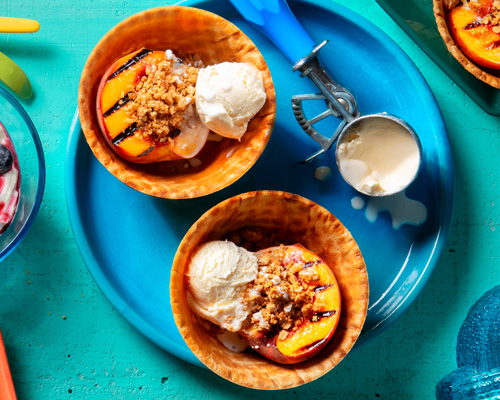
(408, 164)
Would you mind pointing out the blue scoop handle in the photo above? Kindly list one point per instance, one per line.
(275, 20)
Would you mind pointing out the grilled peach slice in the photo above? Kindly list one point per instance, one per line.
(126, 138)
(477, 40)
(316, 329)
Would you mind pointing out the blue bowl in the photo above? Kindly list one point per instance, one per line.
(32, 165)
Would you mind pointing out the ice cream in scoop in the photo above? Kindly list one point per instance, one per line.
(378, 156)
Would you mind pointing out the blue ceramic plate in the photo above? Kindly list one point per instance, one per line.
(128, 239)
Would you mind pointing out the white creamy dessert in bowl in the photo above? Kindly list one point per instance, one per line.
(10, 180)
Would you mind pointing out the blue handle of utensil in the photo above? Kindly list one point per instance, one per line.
(275, 20)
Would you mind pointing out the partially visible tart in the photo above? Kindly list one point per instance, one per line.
(471, 32)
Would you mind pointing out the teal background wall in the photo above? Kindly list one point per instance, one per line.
(63, 338)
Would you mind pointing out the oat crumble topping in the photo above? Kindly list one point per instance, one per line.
(160, 98)
(280, 298)
(493, 19)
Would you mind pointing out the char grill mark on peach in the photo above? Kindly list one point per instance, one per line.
(318, 289)
(119, 104)
(143, 53)
(145, 153)
(474, 24)
(309, 264)
(494, 45)
(129, 131)
(323, 314)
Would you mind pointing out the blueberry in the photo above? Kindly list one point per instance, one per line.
(6, 159)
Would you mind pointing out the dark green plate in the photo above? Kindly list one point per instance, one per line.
(417, 20)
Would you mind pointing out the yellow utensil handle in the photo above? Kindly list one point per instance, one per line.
(18, 25)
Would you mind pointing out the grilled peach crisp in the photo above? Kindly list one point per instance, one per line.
(146, 108)
(292, 322)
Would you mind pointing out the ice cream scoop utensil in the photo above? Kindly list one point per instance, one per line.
(275, 19)
(340, 102)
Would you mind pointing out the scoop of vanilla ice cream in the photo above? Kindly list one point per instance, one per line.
(228, 95)
(218, 274)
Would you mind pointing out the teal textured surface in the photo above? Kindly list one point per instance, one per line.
(64, 339)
